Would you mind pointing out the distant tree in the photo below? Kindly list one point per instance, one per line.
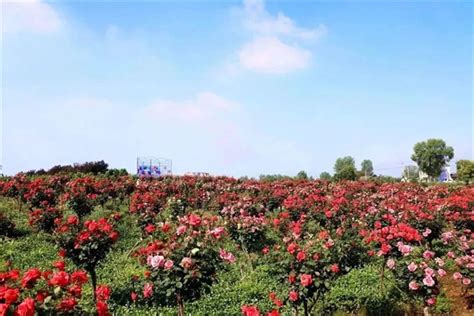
(367, 168)
(273, 177)
(325, 176)
(465, 170)
(411, 173)
(302, 175)
(431, 156)
(344, 169)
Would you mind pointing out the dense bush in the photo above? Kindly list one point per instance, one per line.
(227, 246)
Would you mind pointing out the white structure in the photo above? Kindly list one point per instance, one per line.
(154, 167)
(445, 175)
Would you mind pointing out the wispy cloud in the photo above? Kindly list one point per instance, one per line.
(270, 51)
(31, 16)
(271, 55)
(260, 21)
(205, 106)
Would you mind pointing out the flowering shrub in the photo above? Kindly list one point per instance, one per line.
(309, 235)
(44, 219)
(86, 244)
(44, 292)
(81, 195)
(246, 224)
(183, 263)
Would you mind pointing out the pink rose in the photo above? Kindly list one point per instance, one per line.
(431, 301)
(457, 276)
(168, 264)
(441, 272)
(466, 281)
(428, 281)
(428, 254)
(155, 261)
(180, 230)
(227, 256)
(391, 264)
(306, 280)
(148, 290)
(429, 272)
(413, 286)
(186, 262)
(412, 267)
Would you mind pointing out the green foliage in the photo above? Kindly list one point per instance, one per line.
(363, 288)
(443, 304)
(465, 170)
(302, 175)
(432, 155)
(344, 169)
(411, 173)
(325, 176)
(367, 168)
(273, 177)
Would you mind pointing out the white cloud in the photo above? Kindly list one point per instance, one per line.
(268, 51)
(29, 16)
(205, 106)
(257, 19)
(270, 55)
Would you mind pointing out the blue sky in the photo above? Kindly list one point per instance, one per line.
(234, 88)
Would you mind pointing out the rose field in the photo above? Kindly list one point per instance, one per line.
(82, 245)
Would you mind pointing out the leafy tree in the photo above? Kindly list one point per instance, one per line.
(367, 168)
(344, 169)
(411, 173)
(325, 176)
(302, 175)
(465, 170)
(432, 155)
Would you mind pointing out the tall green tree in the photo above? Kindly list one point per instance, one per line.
(432, 155)
(325, 176)
(367, 168)
(344, 169)
(302, 175)
(465, 170)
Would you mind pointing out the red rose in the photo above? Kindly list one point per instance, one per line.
(273, 313)
(73, 220)
(291, 278)
(114, 236)
(102, 292)
(102, 308)
(60, 279)
(293, 296)
(79, 277)
(306, 280)
(335, 268)
(165, 228)
(11, 295)
(292, 248)
(150, 228)
(59, 265)
(249, 310)
(133, 296)
(67, 304)
(13, 274)
(30, 277)
(3, 309)
(194, 220)
(301, 256)
(26, 308)
(75, 290)
(148, 290)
